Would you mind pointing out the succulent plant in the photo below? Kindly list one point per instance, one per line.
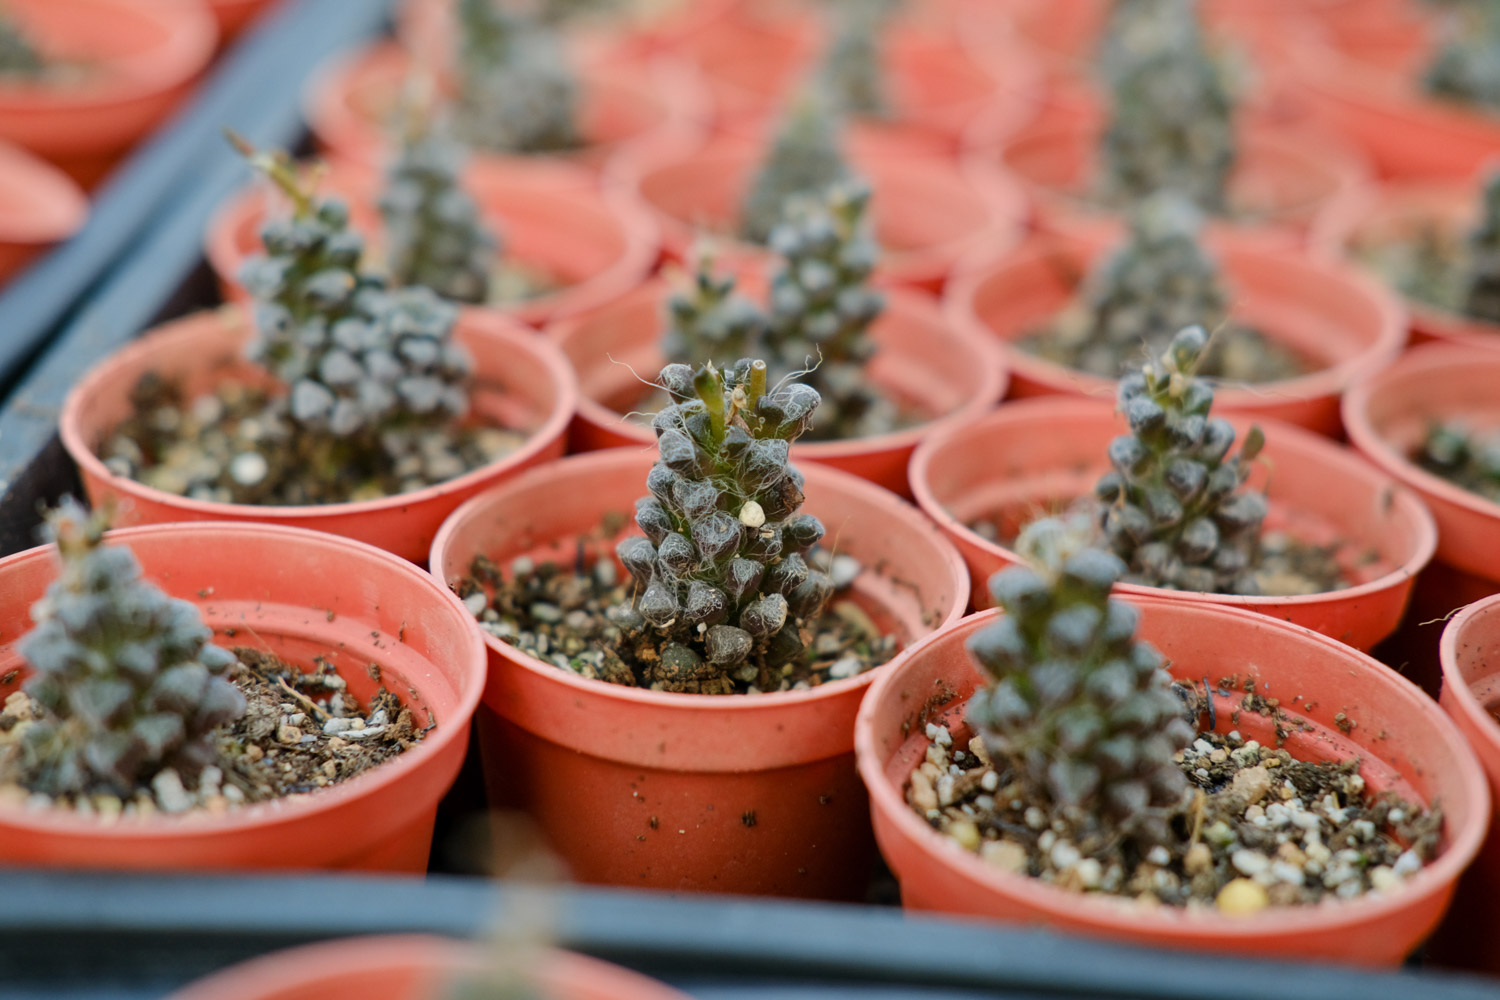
(1482, 267)
(1161, 280)
(1136, 27)
(1172, 121)
(127, 676)
(1466, 67)
(722, 585)
(18, 56)
(709, 319)
(852, 73)
(1081, 710)
(805, 159)
(822, 305)
(435, 234)
(1464, 455)
(516, 91)
(1172, 506)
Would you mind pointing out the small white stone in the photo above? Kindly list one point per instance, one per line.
(1035, 818)
(752, 515)
(1248, 862)
(1090, 872)
(248, 468)
(1407, 864)
(170, 795)
(1065, 855)
(476, 602)
(1158, 856)
(1383, 879)
(845, 666)
(337, 726)
(990, 781)
(1285, 871)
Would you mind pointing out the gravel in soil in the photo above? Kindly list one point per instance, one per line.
(1466, 457)
(557, 614)
(301, 731)
(1256, 827)
(238, 445)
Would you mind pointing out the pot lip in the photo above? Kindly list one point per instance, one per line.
(191, 36)
(54, 206)
(277, 812)
(271, 974)
(988, 361)
(1363, 435)
(919, 475)
(821, 476)
(979, 270)
(1464, 700)
(354, 180)
(481, 322)
(1464, 843)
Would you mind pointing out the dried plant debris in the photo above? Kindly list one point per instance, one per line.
(1465, 456)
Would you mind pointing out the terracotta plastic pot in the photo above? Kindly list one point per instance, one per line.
(1036, 454)
(235, 15)
(1395, 212)
(520, 381)
(1388, 414)
(748, 794)
(1403, 742)
(1286, 182)
(1471, 695)
(138, 60)
(621, 111)
(409, 967)
(597, 245)
(921, 359)
(300, 594)
(1324, 310)
(39, 205)
(1366, 87)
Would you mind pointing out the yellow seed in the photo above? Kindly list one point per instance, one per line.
(966, 833)
(1242, 897)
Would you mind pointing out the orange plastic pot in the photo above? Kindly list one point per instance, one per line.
(747, 794)
(410, 967)
(1285, 181)
(520, 381)
(39, 206)
(1037, 454)
(350, 103)
(927, 213)
(1387, 416)
(1397, 212)
(596, 244)
(920, 359)
(138, 60)
(1326, 311)
(301, 594)
(1471, 694)
(1402, 740)
(1366, 87)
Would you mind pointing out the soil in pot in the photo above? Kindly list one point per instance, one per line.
(161, 721)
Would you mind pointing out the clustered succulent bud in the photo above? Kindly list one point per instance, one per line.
(822, 305)
(1466, 67)
(805, 159)
(358, 360)
(1080, 709)
(851, 72)
(710, 320)
(1482, 267)
(1172, 123)
(516, 93)
(18, 57)
(435, 234)
(722, 584)
(1160, 281)
(130, 683)
(1172, 507)
(1465, 456)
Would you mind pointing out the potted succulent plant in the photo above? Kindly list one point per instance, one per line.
(289, 700)
(1437, 243)
(886, 366)
(927, 212)
(1172, 124)
(1178, 775)
(1289, 525)
(43, 206)
(336, 403)
(674, 708)
(81, 80)
(1071, 316)
(511, 240)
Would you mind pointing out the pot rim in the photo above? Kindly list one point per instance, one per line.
(610, 457)
(1464, 699)
(54, 206)
(487, 323)
(1443, 871)
(197, 823)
